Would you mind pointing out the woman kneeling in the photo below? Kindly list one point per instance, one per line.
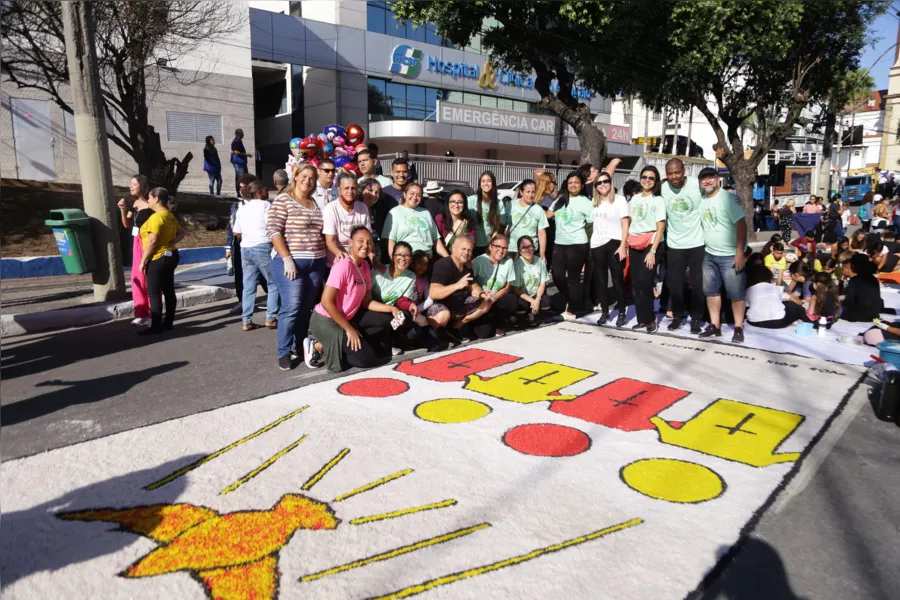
(348, 328)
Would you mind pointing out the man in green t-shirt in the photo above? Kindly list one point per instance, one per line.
(725, 235)
(495, 272)
(684, 244)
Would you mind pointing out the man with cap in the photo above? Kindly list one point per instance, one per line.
(433, 202)
(725, 237)
(684, 244)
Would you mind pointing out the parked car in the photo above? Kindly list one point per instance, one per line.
(506, 191)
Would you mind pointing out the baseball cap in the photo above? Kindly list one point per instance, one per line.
(706, 172)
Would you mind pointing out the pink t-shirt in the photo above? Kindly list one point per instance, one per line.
(338, 222)
(344, 277)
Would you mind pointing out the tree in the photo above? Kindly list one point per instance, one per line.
(554, 39)
(736, 59)
(135, 42)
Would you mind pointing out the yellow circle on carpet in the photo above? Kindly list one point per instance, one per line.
(673, 480)
(452, 410)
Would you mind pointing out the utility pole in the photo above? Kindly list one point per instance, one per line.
(690, 131)
(646, 125)
(840, 138)
(93, 151)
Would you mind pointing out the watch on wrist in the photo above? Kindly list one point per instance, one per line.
(652, 251)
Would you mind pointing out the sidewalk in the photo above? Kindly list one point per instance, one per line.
(42, 303)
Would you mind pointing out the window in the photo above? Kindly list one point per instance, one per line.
(295, 8)
(377, 15)
(657, 116)
(380, 19)
(192, 127)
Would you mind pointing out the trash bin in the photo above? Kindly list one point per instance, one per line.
(72, 230)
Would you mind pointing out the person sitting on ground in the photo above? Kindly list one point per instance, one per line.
(824, 301)
(776, 263)
(765, 307)
(395, 285)
(831, 267)
(889, 240)
(807, 243)
(532, 278)
(767, 249)
(862, 294)
(799, 288)
(884, 261)
(458, 299)
(348, 327)
(882, 332)
(811, 261)
(842, 245)
(496, 274)
(420, 264)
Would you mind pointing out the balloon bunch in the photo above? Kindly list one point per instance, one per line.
(335, 142)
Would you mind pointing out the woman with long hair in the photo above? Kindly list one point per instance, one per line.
(786, 214)
(545, 195)
(646, 231)
(212, 165)
(526, 217)
(486, 208)
(455, 219)
(609, 248)
(134, 219)
(572, 213)
(160, 233)
(295, 227)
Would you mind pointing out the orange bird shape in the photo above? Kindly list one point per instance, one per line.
(235, 555)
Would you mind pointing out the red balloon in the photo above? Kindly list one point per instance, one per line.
(352, 168)
(355, 134)
(309, 147)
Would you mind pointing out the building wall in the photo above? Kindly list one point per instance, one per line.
(890, 146)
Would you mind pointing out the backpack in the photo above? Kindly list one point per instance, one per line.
(863, 213)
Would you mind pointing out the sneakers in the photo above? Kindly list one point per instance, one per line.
(395, 351)
(711, 331)
(139, 322)
(285, 363)
(604, 318)
(621, 320)
(251, 326)
(676, 324)
(696, 327)
(568, 316)
(312, 356)
(498, 332)
(653, 327)
(738, 337)
(638, 327)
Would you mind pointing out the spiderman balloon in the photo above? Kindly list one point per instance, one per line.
(355, 135)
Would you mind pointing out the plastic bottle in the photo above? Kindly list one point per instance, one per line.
(823, 323)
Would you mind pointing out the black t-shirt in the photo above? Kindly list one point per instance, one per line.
(141, 216)
(237, 144)
(446, 273)
(862, 300)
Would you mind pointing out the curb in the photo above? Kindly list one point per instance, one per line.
(49, 266)
(64, 318)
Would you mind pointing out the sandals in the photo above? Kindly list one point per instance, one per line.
(249, 326)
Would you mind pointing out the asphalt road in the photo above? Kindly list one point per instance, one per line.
(832, 534)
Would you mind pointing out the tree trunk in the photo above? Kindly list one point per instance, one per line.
(152, 162)
(591, 139)
(593, 145)
(824, 187)
(744, 178)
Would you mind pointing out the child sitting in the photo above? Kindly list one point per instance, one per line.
(800, 287)
(423, 302)
(862, 294)
(765, 307)
(824, 301)
(776, 263)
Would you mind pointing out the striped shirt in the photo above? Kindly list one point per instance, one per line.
(301, 227)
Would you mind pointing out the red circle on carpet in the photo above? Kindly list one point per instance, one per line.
(374, 387)
(547, 439)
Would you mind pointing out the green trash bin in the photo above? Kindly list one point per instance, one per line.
(72, 230)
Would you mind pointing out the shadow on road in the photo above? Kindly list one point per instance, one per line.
(757, 572)
(36, 540)
(86, 391)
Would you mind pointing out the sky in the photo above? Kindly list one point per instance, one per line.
(886, 29)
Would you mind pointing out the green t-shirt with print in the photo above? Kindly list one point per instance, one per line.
(491, 277)
(570, 221)
(646, 212)
(415, 227)
(683, 228)
(483, 230)
(720, 214)
(530, 276)
(388, 290)
(525, 220)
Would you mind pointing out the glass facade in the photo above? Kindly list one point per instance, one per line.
(389, 100)
(381, 20)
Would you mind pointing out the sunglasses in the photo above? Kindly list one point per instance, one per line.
(604, 181)
(327, 170)
(648, 178)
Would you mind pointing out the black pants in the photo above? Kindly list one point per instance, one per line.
(642, 280)
(161, 282)
(239, 271)
(568, 262)
(381, 322)
(678, 261)
(792, 312)
(606, 263)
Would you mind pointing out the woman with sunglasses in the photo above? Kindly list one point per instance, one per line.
(531, 281)
(486, 207)
(395, 285)
(609, 248)
(455, 219)
(648, 224)
(572, 213)
(496, 274)
(526, 217)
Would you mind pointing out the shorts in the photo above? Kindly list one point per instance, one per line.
(718, 270)
(470, 306)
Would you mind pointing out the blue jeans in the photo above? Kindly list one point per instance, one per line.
(255, 260)
(298, 298)
(718, 270)
(215, 177)
(239, 169)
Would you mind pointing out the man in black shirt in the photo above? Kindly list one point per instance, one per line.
(238, 158)
(458, 299)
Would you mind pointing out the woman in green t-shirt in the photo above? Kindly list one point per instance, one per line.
(572, 215)
(395, 285)
(531, 280)
(648, 223)
(488, 214)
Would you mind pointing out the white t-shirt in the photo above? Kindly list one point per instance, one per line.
(250, 222)
(338, 222)
(608, 221)
(764, 303)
